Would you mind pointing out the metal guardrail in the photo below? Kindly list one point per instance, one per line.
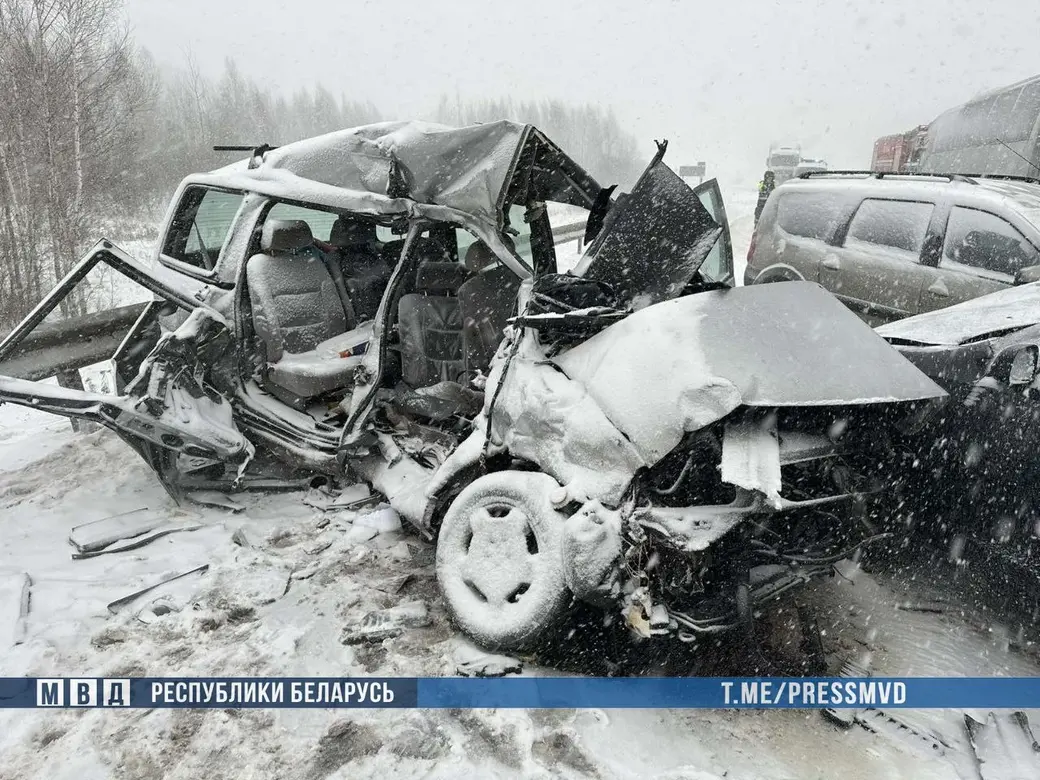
(55, 348)
(574, 231)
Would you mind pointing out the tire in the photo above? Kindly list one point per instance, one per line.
(781, 276)
(499, 560)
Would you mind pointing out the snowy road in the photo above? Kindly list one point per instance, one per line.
(276, 603)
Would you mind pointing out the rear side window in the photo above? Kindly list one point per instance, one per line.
(201, 226)
(808, 214)
(320, 222)
(982, 241)
(899, 224)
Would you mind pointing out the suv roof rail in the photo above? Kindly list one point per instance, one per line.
(967, 178)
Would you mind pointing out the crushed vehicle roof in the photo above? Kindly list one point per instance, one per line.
(998, 312)
(401, 167)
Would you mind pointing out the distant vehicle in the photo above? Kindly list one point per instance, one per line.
(899, 153)
(997, 132)
(890, 246)
(810, 166)
(782, 160)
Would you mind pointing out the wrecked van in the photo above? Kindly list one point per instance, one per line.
(386, 304)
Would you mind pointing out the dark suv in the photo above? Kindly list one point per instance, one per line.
(893, 245)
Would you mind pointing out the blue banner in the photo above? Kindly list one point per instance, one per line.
(525, 692)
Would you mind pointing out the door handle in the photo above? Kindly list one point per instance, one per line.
(939, 289)
(831, 263)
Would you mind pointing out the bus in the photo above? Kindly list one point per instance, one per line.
(996, 132)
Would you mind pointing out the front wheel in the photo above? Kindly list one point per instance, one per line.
(499, 559)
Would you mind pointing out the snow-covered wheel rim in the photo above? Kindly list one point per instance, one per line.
(499, 560)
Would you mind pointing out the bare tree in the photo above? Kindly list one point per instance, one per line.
(70, 94)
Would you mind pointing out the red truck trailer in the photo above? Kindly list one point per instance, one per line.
(901, 152)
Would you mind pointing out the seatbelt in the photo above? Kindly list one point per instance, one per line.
(336, 272)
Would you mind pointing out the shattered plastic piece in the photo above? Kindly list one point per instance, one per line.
(387, 623)
(100, 533)
(139, 541)
(318, 546)
(15, 588)
(853, 669)
(1004, 746)
(882, 722)
(121, 604)
(473, 662)
(383, 520)
(215, 499)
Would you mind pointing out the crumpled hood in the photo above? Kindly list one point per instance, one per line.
(680, 365)
(1015, 307)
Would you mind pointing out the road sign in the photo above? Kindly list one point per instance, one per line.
(692, 170)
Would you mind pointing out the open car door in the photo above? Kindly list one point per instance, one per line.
(162, 404)
(662, 239)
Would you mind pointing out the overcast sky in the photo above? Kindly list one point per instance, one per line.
(718, 79)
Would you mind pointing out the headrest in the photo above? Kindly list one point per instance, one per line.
(285, 235)
(351, 232)
(478, 257)
(438, 277)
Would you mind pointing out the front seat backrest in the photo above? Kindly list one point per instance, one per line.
(486, 301)
(365, 271)
(294, 300)
(430, 326)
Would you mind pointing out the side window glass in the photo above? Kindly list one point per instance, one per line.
(320, 222)
(810, 215)
(985, 243)
(201, 226)
(896, 224)
(718, 266)
(521, 242)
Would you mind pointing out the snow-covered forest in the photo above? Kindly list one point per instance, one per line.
(94, 134)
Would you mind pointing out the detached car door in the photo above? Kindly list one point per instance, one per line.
(163, 404)
(982, 253)
(877, 271)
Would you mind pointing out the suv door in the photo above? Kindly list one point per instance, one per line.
(656, 239)
(981, 254)
(877, 270)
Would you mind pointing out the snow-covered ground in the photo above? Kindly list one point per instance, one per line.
(285, 580)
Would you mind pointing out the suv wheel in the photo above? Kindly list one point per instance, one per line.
(499, 559)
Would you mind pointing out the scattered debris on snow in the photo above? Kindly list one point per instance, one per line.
(387, 623)
(127, 601)
(472, 661)
(1004, 746)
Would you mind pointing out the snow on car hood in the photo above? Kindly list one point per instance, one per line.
(1010, 309)
(680, 365)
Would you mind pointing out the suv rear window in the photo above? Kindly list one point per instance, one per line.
(808, 214)
(900, 224)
